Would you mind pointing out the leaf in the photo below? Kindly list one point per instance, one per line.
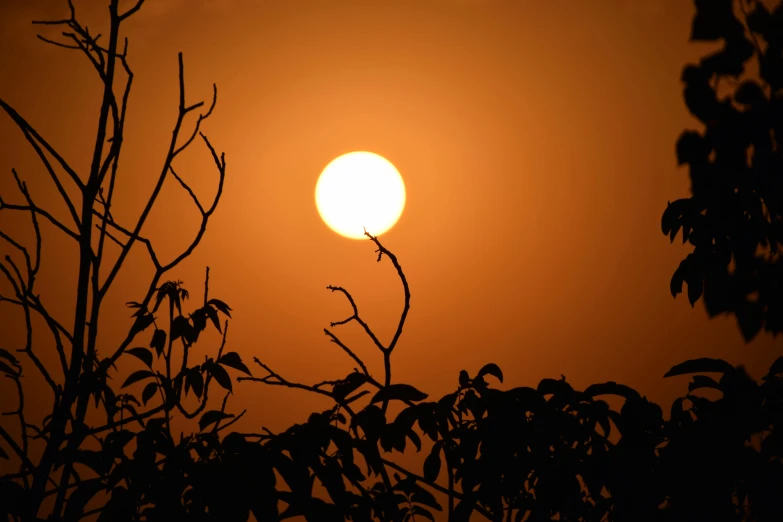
(213, 316)
(700, 365)
(142, 322)
(137, 376)
(400, 392)
(5, 354)
(211, 417)
(7, 369)
(415, 439)
(220, 375)
(158, 341)
(78, 500)
(118, 439)
(612, 388)
(148, 392)
(432, 463)
(197, 382)
(418, 510)
(233, 360)
(422, 496)
(180, 327)
(346, 386)
(463, 510)
(143, 354)
(220, 305)
(491, 369)
(703, 381)
(776, 368)
(464, 379)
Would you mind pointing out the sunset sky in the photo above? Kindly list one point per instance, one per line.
(536, 141)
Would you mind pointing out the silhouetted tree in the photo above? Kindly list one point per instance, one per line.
(57, 460)
(733, 217)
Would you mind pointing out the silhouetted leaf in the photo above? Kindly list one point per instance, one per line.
(6, 369)
(142, 322)
(232, 360)
(776, 367)
(137, 376)
(213, 316)
(415, 439)
(220, 305)
(79, 498)
(464, 379)
(346, 386)
(400, 392)
(5, 354)
(432, 463)
(197, 382)
(491, 369)
(117, 440)
(143, 354)
(220, 375)
(702, 381)
(418, 510)
(463, 510)
(612, 388)
(211, 417)
(180, 327)
(149, 391)
(158, 341)
(700, 365)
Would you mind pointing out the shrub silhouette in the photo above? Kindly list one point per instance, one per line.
(522, 454)
(734, 217)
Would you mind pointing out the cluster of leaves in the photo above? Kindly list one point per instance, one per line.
(734, 217)
(108, 467)
(543, 453)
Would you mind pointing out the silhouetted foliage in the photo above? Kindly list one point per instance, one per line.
(733, 218)
(523, 454)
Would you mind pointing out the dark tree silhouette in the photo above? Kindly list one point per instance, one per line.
(733, 218)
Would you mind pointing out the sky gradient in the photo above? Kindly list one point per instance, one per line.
(536, 141)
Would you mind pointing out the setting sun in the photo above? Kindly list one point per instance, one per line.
(358, 191)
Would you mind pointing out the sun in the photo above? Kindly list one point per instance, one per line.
(357, 191)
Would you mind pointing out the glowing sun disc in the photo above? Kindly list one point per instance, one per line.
(360, 190)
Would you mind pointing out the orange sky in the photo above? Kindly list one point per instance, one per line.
(536, 140)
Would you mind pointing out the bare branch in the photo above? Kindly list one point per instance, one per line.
(355, 317)
(220, 162)
(383, 251)
(128, 233)
(132, 10)
(14, 446)
(28, 130)
(42, 212)
(347, 350)
(56, 43)
(189, 191)
(34, 269)
(201, 118)
(275, 379)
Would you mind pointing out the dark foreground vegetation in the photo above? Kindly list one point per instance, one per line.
(107, 450)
